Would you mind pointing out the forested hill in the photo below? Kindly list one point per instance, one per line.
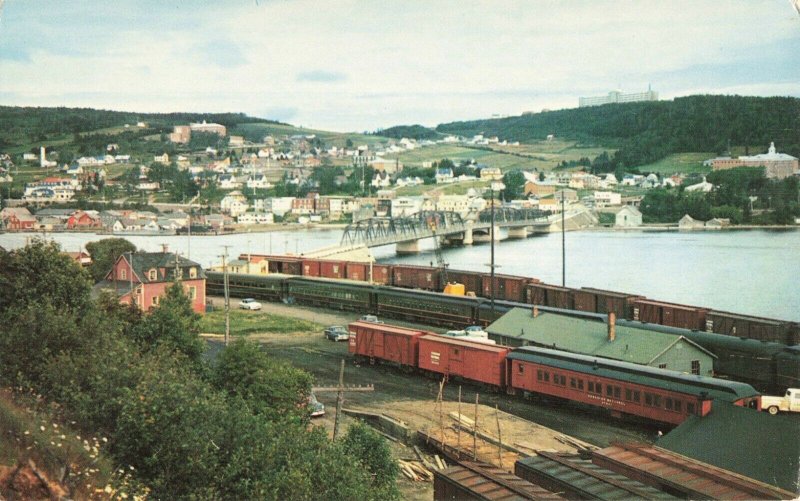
(409, 131)
(31, 124)
(647, 131)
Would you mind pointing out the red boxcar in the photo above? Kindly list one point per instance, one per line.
(484, 363)
(416, 277)
(603, 301)
(310, 268)
(357, 271)
(550, 295)
(384, 342)
(507, 287)
(673, 315)
(381, 274)
(332, 269)
(472, 280)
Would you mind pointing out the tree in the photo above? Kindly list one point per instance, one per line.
(270, 388)
(515, 183)
(173, 324)
(371, 451)
(105, 253)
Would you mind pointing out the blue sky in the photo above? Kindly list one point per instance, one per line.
(352, 65)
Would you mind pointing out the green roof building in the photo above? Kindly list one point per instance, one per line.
(519, 327)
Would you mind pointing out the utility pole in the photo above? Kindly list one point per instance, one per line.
(189, 238)
(563, 244)
(491, 241)
(340, 390)
(227, 295)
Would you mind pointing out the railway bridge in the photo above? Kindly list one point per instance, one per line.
(450, 227)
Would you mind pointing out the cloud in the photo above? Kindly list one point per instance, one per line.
(321, 76)
(222, 53)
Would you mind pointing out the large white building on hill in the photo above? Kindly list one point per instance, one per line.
(616, 96)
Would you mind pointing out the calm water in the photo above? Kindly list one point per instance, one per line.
(755, 272)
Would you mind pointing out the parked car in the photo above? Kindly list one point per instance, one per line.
(337, 333)
(476, 331)
(315, 406)
(370, 318)
(249, 304)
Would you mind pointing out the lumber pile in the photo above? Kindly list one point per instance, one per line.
(420, 469)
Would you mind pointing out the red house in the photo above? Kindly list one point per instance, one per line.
(17, 219)
(83, 219)
(142, 277)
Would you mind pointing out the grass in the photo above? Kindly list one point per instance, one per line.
(254, 322)
(680, 163)
(338, 139)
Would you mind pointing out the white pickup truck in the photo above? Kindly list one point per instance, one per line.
(787, 403)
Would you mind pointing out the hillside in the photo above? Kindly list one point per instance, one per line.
(649, 131)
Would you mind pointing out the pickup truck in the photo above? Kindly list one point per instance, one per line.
(790, 402)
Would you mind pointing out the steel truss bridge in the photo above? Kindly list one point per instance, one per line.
(379, 231)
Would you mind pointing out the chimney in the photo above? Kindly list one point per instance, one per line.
(612, 326)
(535, 311)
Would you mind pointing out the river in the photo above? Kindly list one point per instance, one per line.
(755, 272)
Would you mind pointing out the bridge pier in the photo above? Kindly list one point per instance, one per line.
(468, 240)
(484, 235)
(521, 232)
(411, 247)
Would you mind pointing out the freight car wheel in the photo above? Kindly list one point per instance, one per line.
(772, 410)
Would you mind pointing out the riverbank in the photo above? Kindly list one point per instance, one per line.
(675, 228)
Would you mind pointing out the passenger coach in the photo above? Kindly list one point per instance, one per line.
(622, 387)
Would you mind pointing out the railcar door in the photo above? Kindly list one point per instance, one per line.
(456, 361)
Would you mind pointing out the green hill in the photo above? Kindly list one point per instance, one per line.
(649, 131)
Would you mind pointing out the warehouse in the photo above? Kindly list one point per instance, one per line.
(526, 327)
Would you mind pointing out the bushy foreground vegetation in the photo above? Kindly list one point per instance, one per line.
(234, 429)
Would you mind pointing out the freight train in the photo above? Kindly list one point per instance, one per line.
(620, 387)
(532, 291)
(768, 366)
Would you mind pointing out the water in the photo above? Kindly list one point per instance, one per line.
(755, 272)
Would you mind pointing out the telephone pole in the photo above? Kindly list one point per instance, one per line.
(563, 244)
(340, 390)
(227, 295)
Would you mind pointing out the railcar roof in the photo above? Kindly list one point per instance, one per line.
(634, 373)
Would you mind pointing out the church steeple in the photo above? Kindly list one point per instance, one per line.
(772, 148)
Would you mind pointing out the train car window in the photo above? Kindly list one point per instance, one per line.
(539, 375)
(696, 367)
(678, 405)
(591, 386)
(617, 392)
(580, 384)
(657, 400)
(662, 366)
(546, 377)
(668, 404)
(521, 368)
(562, 380)
(628, 394)
(572, 383)
(598, 388)
(689, 407)
(609, 390)
(636, 395)
(648, 399)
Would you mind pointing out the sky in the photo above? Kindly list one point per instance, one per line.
(349, 65)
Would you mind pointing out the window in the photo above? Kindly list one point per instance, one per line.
(155, 300)
(636, 396)
(192, 293)
(678, 405)
(192, 272)
(598, 388)
(539, 375)
(689, 407)
(580, 384)
(648, 399)
(559, 379)
(152, 274)
(455, 351)
(546, 377)
(668, 404)
(617, 392)
(609, 391)
(591, 386)
(696, 367)
(572, 383)
(123, 273)
(656, 400)
(628, 394)
(521, 368)
(662, 366)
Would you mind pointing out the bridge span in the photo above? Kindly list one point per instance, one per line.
(406, 232)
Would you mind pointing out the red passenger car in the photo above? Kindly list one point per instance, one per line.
(449, 356)
(384, 342)
(622, 387)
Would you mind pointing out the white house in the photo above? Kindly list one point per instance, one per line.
(280, 205)
(406, 206)
(607, 198)
(704, 187)
(163, 159)
(258, 181)
(256, 218)
(381, 180)
(687, 222)
(228, 182)
(628, 217)
(234, 203)
(444, 175)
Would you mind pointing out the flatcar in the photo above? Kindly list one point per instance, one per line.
(622, 387)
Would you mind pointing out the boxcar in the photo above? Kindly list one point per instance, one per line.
(620, 303)
(384, 342)
(671, 314)
(550, 295)
(507, 287)
(455, 357)
(763, 329)
(381, 274)
(357, 271)
(622, 387)
(416, 277)
(332, 269)
(472, 280)
(427, 307)
(330, 294)
(311, 267)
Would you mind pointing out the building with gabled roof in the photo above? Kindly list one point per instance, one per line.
(529, 327)
(143, 277)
